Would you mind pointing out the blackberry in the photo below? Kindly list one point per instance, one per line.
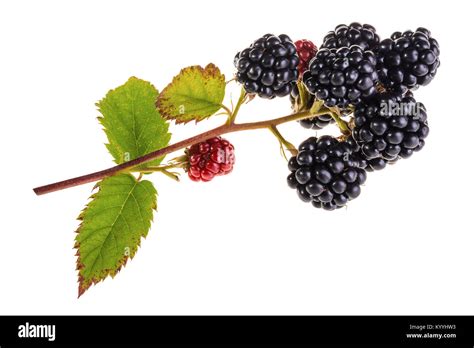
(362, 35)
(390, 127)
(408, 60)
(342, 77)
(325, 173)
(210, 158)
(306, 50)
(268, 66)
(314, 123)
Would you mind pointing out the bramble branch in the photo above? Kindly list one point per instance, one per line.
(229, 127)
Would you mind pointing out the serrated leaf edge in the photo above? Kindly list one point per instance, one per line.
(82, 288)
(110, 145)
(210, 70)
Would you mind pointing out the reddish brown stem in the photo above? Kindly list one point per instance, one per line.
(126, 166)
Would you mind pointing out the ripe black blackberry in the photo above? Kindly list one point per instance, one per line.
(407, 60)
(390, 127)
(268, 66)
(325, 173)
(342, 77)
(314, 123)
(362, 35)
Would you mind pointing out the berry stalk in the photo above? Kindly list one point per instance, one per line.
(336, 115)
(127, 166)
(285, 144)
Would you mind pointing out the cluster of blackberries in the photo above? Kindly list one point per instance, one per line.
(352, 61)
(356, 75)
(355, 72)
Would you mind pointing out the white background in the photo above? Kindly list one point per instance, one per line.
(245, 243)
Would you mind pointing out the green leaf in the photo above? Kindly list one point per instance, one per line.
(133, 125)
(194, 94)
(112, 225)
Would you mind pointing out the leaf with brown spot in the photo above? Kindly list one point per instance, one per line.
(112, 225)
(195, 94)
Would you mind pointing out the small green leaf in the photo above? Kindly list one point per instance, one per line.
(194, 94)
(133, 125)
(112, 225)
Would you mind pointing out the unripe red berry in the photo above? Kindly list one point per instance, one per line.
(306, 51)
(210, 158)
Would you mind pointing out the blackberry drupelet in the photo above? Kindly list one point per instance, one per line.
(325, 173)
(390, 127)
(342, 77)
(370, 165)
(363, 35)
(407, 60)
(268, 66)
